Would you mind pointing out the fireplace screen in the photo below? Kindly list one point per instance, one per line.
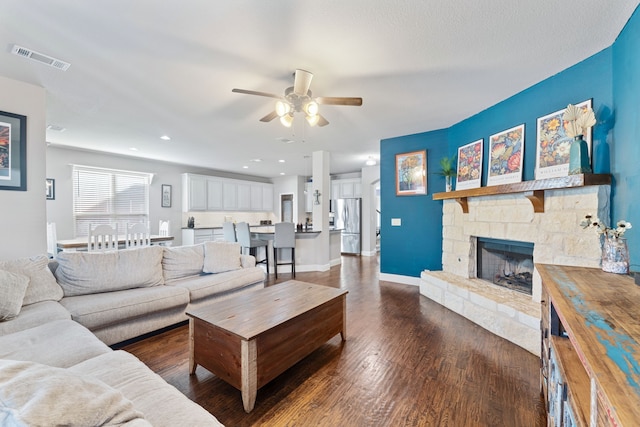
(506, 263)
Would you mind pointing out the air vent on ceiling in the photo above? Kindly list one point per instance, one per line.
(56, 128)
(40, 57)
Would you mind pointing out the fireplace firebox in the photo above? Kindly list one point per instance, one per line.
(505, 263)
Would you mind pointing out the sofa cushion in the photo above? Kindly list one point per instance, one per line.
(13, 287)
(207, 285)
(221, 256)
(35, 394)
(42, 284)
(82, 273)
(182, 261)
(100, 310)
(33, 315)
(61, 343)
(161, 403)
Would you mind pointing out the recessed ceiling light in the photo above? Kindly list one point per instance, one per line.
(255, 160)
(165, 138)
(133, 149)
(281, 173)
(245, 167)
(281, 160)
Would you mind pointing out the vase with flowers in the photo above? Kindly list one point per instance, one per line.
(615, 253)
(448, 170)
(578, 121)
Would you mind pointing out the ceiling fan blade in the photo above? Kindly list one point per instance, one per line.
(254, 92)
(329, 100)
(272, 115)
(322, 121)
(301, 82)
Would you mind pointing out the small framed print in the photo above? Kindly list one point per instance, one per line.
(469, 170)
(506, 150)
(166, 195)
(50, 188)
(553, 144)
(411, 173)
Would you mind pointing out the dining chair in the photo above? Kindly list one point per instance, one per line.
(164, 228)
(284, 238)
(103, 238)
(137, 235)
(244, 238)
(229, 231)
(52, 240)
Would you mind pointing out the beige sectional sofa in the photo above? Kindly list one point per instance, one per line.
(56, 328)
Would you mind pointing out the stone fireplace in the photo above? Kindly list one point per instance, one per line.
(555, 234)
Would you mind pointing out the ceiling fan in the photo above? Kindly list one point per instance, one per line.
(299, 99)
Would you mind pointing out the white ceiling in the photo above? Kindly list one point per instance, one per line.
(144, 68)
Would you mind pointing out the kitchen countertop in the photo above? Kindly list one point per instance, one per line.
(271, 229)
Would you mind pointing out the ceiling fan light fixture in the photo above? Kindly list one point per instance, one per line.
(282, 108)
(313, 120)
(287, 120)
(311, 108)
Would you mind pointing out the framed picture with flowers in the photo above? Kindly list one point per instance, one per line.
(469, 165)
(411, 173)
(553, 144)
(506, 154)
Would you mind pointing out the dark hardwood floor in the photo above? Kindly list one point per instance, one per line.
(407, 361)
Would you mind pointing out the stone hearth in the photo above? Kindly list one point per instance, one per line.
(557, 238)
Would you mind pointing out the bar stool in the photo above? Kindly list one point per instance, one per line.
(244, 238)
(284, 238)
(229, 232)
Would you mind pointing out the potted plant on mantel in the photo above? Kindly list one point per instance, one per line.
(448, 170)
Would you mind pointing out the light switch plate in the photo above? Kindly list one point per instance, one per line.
(396, 222)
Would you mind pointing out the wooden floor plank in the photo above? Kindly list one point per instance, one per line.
(407, 362)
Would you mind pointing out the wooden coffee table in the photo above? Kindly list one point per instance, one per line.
(249, 339)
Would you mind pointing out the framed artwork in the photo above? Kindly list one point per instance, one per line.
(50, 188)
(506, 155)
(553, 144)
(469, 165)
(411, 173)
(166, 196)
(13, 152)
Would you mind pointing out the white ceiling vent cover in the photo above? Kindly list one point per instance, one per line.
(40, 57)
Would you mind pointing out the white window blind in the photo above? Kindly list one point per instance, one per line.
(108, 196)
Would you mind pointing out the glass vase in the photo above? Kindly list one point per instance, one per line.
(448, 182)
(615, 255)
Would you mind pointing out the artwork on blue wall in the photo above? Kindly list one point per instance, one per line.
(469, 165)
(553, 144)
(411, 173)
(505, 156)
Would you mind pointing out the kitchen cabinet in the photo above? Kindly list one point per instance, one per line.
(590, 347)
(209, 193)
(348, 188)
(194, 236)
(335, 190)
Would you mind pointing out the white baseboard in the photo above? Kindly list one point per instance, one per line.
(335, 262)
(405, 280)
(369, 253)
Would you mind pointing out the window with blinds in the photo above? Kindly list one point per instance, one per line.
(108, 196)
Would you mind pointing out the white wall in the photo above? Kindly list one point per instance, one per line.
(60, 210)
(290, 185)
(23, 230)
(370, 178)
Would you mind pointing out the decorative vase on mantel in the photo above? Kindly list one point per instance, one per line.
(579, 156)
(448, 182)
(615, 255)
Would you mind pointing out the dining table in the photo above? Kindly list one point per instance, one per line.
(81, 243)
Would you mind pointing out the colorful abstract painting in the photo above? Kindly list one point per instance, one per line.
(469, 165)
(506, 150)
(5, 151)
(411, 173)
(553, 144)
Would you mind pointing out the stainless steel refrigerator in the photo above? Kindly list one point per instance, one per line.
(347, 218)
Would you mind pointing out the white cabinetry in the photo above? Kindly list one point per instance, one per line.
(209, 193)
(349, 188)
(193, 236)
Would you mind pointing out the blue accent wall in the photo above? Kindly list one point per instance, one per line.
(611, 78)
(625, 145)
(417, 244)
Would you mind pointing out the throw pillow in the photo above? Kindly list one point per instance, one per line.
(42, 284)
(221, 256)
(182, 261)
(36, 394)
(12, 290)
